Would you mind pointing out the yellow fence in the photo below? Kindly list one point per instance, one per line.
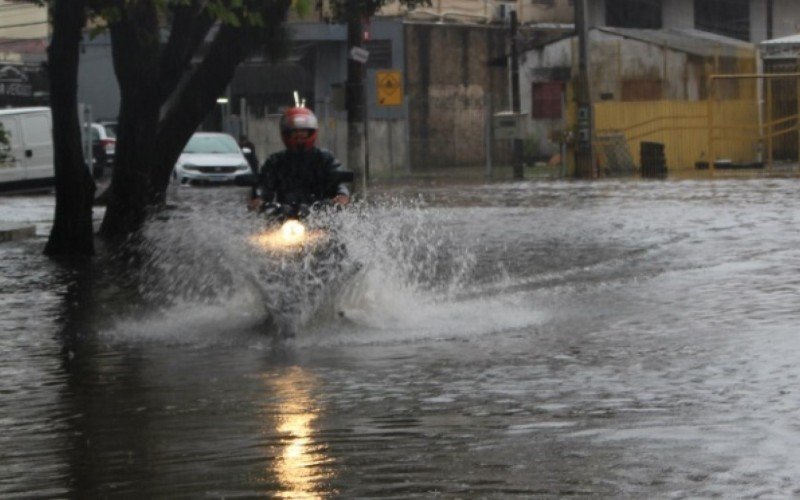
(759, 129)
(684, 129)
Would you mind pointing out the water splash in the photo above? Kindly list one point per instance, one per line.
(403, 273)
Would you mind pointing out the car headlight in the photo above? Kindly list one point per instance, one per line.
(243, 166)
(189, 166)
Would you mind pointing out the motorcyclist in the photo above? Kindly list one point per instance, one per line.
(302, 173)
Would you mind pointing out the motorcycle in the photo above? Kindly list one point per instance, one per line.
(287, 228)
(306, 260)
(287, 223)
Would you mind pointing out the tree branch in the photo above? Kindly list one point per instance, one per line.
(190, 26)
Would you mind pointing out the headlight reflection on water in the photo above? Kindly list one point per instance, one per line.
(301, 465)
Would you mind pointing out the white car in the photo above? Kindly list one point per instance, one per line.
(211, 157)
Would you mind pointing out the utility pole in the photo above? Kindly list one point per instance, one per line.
(354, 99)
(515, 98)
(770, 19)
(584, 159)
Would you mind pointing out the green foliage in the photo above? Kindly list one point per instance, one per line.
(303, 7)
(530, 147)
(232, 12)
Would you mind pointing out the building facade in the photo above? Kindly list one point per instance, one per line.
(23, 41)
(650, 63)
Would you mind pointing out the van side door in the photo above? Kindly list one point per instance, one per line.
(38, 145)
(12, 168)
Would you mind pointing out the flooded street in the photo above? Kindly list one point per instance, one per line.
(614, 338)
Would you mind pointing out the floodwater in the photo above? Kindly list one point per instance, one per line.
(612, 339)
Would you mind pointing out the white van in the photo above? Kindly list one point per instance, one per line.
(27, 161)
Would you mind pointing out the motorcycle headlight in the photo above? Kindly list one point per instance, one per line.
(293, 232)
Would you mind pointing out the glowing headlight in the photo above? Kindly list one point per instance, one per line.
(293, 232)
(291, 236)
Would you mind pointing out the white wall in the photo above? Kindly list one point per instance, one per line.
(558, 54)
(388, 141)
(25, 20)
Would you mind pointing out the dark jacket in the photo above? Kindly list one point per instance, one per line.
(300, 177)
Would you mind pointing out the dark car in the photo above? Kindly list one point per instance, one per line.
(104, 144)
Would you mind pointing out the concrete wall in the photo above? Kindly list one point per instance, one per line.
(448, 89)
(613, 60)
(388, 141)
(97, 82)
(29, 21)
(392, 30)
(555, 55)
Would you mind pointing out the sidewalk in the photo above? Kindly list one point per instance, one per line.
(30, 214)
(16, 231)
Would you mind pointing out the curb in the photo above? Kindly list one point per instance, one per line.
(10, 232)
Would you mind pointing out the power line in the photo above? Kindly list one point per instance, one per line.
(21, 25)
(19, 6)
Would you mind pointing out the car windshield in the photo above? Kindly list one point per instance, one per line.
(214, 144)
(111, 130)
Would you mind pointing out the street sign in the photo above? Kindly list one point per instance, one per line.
(390, 87)
(359, 54)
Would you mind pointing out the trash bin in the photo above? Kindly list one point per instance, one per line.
(653, 160)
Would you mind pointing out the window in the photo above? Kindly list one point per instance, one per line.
(546, 100)
(634, 14)
(725, 17)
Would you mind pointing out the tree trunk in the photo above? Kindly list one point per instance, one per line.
(72, 232)
(196, 98)
(354, 99)
(150, 76)
(135, 48)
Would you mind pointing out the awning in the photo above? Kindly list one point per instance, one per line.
(787, 47)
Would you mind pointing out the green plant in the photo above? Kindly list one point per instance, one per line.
(530, 146)
(5, 144)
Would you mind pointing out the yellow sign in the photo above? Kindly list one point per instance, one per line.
(390, 88)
